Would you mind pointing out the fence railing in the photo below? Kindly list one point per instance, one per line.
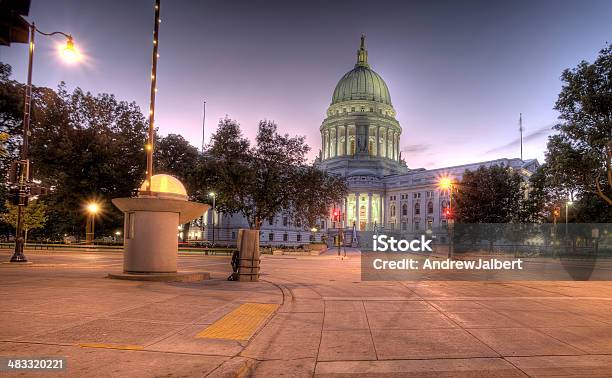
(206, 251)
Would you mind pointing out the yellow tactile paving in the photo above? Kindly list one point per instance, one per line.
(239, 324)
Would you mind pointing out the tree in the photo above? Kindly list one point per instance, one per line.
(176, 156)
(35, 216)
(490, 195)
(578, 157)
(268, 178)
(318, 190)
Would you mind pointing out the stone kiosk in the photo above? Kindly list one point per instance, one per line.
(150, 231)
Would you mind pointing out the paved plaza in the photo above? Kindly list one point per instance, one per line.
(317, 318)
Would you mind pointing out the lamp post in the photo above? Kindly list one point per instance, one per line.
(70, 54)
(214, 196)
(567, 205)
(446, 183)
(92, 210)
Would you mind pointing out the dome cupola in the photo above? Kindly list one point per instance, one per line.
(362, 83)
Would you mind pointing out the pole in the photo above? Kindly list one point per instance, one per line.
(566, 204)
(204, 127)
(451, 223)
(213, 221)
(18, 255)
(151, 136)
(521, 131)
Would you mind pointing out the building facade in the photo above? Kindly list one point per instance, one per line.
(360, 139)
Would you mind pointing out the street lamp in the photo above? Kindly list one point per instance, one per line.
(214, 196)
(68, 51)
(92, 209)
(567, 205)
(446, 183)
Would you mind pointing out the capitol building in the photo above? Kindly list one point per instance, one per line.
(360, 139)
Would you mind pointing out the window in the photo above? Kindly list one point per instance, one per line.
(285, 237)
(404, 209)
(312, 238)
(430, 208)
(271, 221)
(417, 209)
(298, 223)
(352, 109)
(371, 110)
(285, 221)
(404, 226)
(271, 236)
(417, 226)
(299, 237)
(429, 224)
(392, 210)
(233, 235)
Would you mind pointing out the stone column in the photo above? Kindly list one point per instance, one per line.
(393, 145)
(337, 142)
(357, 210)
(387, 142)
(345, 216)
(367, 139)
(346, 141)
(378, 141)
(370, 210)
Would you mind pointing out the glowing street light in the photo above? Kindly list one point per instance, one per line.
(92, 209)
(18, 256)
(69, 52)
(446, 183)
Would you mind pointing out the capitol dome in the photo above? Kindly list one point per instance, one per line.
(362, 83)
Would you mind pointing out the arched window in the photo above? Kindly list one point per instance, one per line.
(417, 209)
(430, 208)
(392, 210)
(352, 147)
(404, 210)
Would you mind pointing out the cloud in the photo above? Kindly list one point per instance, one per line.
(418, 148)
(542, 131)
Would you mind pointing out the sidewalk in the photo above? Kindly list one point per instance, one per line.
(317, 319)
(63, 306)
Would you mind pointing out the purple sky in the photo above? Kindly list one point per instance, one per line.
(459, 72)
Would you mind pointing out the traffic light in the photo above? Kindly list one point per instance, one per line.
(447, 212)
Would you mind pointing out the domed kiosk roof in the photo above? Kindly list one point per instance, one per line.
(362, 83)
(165, 186)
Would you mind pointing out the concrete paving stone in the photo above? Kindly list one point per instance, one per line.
(99, 362)
(287, 336)
(303, 367)
(522, 342)
(483, 319)
(592, 340)
(395, 306)
(345, 320)
(408, 320)
(346, 345)
(433, 343)
(303, 305)
(519, 304)
(170, 311)
(343, 306)
(452, 306)
(109, 331)
(476, 367)
(185, 341)
(567, 366)
(25, 325)
(552, 319)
